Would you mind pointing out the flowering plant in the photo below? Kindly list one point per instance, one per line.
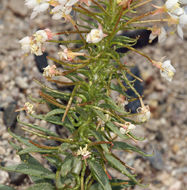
(97, 122)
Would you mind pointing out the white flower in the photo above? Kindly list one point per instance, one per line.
(173, 7)
(144, 113)
(182, 21)
(63, 9)
(38, 6)
(50, 71)
(41, 36)
(167, 70)
(95, 36)
(25, 44)
(35, 43)
(184, 2)
(36, 48)
(83, 152)
(28, 107)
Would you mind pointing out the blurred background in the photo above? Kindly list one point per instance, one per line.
(165, 133)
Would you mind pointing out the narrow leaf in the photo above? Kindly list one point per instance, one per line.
(42, 186)
(124, 146)
(120, 167)
(99, 174)
(4, 187)
(115, 129)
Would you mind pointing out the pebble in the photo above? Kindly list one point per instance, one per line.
(176, 186)
(3, 176)
(18, 7)
(10, 116)
(16, 178)
(156, 160)
(22, 82)
(2, 150)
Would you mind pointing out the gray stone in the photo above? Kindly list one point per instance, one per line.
(18, 7)
(21, 82)
(10, 116)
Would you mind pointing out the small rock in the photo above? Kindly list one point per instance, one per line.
(3, 176)
(18, 7)
(21, 82)
(159, 136)
(2, 151)
(156, 160)
(176, 186)
(16, 178)
(10, 116)
(175, 148)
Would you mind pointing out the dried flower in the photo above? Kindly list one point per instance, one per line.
(125, 128)
(50, 71)
(144, 113)
(158, 32)
(67, 54)
(84, 152)
(28, 107)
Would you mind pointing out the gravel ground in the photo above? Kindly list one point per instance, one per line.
(165, 133)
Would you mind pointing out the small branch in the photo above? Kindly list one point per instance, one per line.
(71, 32)
(44, 147)
(69, 103)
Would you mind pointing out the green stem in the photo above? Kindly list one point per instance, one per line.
(87, 181)
(100, 7)
(66, 42)
(82, 176)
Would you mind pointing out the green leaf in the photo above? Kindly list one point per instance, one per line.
(96, 186)
(100, 114)
(30, 169)
(124, 146)
(56, 120)
(119, 89)
(46, 131)
(137, 138)
(67, 165)
(99, 174)
(36, 149)
(110, 104)
(77, 165)
(42, 186)
(120, 167)
(54, 112)
(100, 137)
(23, 140)
(115, 129)
(5, 187)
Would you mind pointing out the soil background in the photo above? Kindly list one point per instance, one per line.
(165, 133)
